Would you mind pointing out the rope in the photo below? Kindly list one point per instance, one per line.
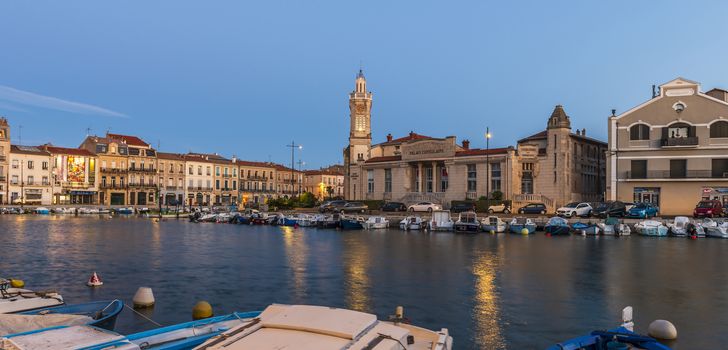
(144, 317)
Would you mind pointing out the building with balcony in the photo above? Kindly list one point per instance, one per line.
(199, 177)
(324, 183)
(171, 171)
(671, 150)
(112, 156)
(4, 159)
(75, 175)
(256, 183)
(30, 176)
(288, 181)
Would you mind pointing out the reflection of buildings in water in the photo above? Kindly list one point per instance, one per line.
(356, 280)
(297, 254)
(156, 245)
(488, 334)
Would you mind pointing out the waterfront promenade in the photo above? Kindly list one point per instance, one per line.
(491, 291)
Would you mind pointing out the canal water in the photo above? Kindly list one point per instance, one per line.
(490, 291)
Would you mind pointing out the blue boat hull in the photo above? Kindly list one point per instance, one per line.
(348, 224)
(557, 230)
(598, 340)
(518, 228)
(104, 313)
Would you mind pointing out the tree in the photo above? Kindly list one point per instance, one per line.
(330, 191)
(497, 195)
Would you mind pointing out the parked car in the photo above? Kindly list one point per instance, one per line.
(499, 208)
(394, 206)
(575, 209)
(643, 210)
(708, 209)
(628, 206)
(610, 208)
(332, 206)
(353, 207)
(533, 208)
(424, 206)
(461, 207)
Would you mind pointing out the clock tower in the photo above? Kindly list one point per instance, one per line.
(360, 135)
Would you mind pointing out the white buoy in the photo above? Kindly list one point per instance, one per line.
(662, 329)
(143, 297)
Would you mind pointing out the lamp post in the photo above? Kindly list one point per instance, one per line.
(293, 147)
(300, 171)
(487, 167)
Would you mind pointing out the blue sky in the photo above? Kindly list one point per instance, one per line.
(245, 77)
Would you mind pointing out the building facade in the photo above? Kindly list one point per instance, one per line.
(324, 183)
(257, 182)
(75, 175)
(112, 156)
(29, 175)
(4, 159)
(671, 150)
(171, 171)
(199, 180)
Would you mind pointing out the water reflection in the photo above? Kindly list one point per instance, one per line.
(486, 312)
(356, 278)
(297, 256)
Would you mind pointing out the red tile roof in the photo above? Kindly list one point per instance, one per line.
(129, 140)
(481, 152)
(71, 151)
(410, 137)
(383, 159)
(322, 172)
(537, 136)
(171, 156)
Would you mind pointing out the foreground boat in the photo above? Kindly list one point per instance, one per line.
(467, 222)
(18, 300)
(585, 228)
(352, 223)
(718, 231)
(622, 337)
(178, 337)
(326, 328)
(101, 314)
(411, 223)
(557, 226)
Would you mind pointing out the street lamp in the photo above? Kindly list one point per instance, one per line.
(293, 147)
(487, 167)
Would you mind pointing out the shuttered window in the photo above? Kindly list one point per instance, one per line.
(639, 169)
(720, 168)
(639, 132)
(678, 168)
(719, 129)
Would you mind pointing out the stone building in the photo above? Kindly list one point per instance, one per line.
(288, 182)
(671, 150)
(171, 172)
(75, 175)
(112, 156)
(4, 159)
(257, 182)
(199, 179)
(29, 175)
(324, 183)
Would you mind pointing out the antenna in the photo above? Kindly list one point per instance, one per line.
(88, 131)
(20, 134)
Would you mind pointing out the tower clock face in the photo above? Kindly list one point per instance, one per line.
(361, 108)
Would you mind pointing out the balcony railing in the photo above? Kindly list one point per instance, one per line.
(2, 158)
(112, 186)
(667, 174)
(142, 170)
(2, 178)
(199, 188)
(227, 175)
(680, 141)
(254, 178)
(112, 170)
(140, 185)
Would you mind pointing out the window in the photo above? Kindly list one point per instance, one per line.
(217, 171)
(678, 131)
(639, 132)
(235, 185)
(14, 180)
(428, 180)
(189, 170)
(171, 167)
(678, 168)
(638, 169)
(720, 168)
(209, 170)
(45, 180)
(387, 180)
(719, 129)
(30, 179)
(30, 164)
(15, 164)
(217, 184)
(495, 177)
(199, 170)
(370, 181)
(444, 181)
(472, 176)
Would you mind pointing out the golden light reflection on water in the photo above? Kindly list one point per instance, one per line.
(356, 280)
(488, 333)
(297, 255)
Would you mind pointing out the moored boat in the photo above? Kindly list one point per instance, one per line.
(518, 224)
(125, 211)
(326, 328)
(305, 220)
(374, 222)
(467, 222)
(441, 221)
(18, 300)
(718, 231)
(100, 314)
(412, 222)
(679, 226)
(585, 228)
(651, 228)
(493, 224)
(612, 227)
(352, 223)
(42, 211)
(557, 226)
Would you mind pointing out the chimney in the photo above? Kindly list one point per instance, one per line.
(389, 137)
(411, 134)
(654, 91)
(466, 144)
(583, 132)
(235, 159)
(614, 112)
(578, 132)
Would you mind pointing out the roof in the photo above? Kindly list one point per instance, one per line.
(481, 152)
(283, 167)
(254, 163)
(323, 172)
(129, 140)
(71, 151)
(383, 159)
(588, 139)
(537, 136)
(19, 149)
(170, 156)
(412, 136)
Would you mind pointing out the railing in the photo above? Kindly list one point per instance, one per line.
(227, 175)
(199, 188)
(76, 184)
(667, 174)
(112, 170)
(255, 178)
(387, 196)
(171, 188)
(112, 186)
(471, 195)
(435, 197)
(533, 198)
(140, 185)
(680, 141)
(142, 170)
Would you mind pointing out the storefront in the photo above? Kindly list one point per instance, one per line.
(647, 195)
(82, 197)
(715, 193)
(117, 198)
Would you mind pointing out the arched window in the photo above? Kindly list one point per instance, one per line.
(639, 132)
(719, 129)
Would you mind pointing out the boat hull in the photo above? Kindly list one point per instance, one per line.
(19, 303)
(557, 230)
(519, 228)
(104, 313)
(467, 227)
(351, 224)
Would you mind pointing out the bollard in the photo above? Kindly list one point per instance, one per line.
(143, 298)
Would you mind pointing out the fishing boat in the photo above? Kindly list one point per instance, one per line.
(125, 211)
(209, 217)
(327, 328)
(412, 222)
(651, 228)
(101, 314)
(467, 222)
(441, 221)
(352, 223)
(104, 211)
(63, 210)
(88, 211)
(493, 224)
(274, 218)
(284, 220)
(519, 223)
(181, 336)
(708, 223)
(622, 337)
(557, 226)
(328, 220)
(586, 228)
(42, 211)
(18, 300)
(718, 231)
(374, 222)
(305, 220)
(679, 226)
(612, 227)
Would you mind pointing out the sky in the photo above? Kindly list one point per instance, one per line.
(245, 78)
